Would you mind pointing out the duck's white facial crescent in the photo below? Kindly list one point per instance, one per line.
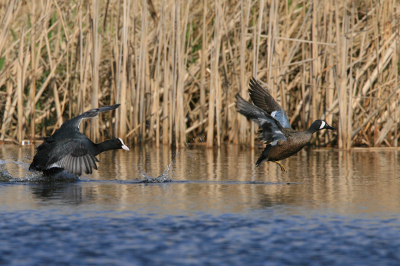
(323, 123)
(123, 145)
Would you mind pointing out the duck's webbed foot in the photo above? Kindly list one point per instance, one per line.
(281, 166)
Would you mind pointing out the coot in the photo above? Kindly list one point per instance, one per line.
(68, 149)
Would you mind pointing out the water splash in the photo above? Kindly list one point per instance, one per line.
(163, 178)
(5, 176)
(33, 176)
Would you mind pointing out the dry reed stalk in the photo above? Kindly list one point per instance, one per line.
(172, 92)
(116, 53)
(181, 63)
(256, 52)
(142, 69)
(177, 77)
(270, 47)
(243, 81)
(20, 90)
(11, 9)
(211, 115)
(350, 85)
(122, 81)
(315, 63)
(217, 83)
(342, 77)
(53, 81)
(94, 123)
(156, 86)
(213, 106)
(7, 110)
(203, 60)
(329, 61)
(84, 71)
(165, 108)
(34, 68)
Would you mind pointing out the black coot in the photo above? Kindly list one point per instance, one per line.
(68, 149)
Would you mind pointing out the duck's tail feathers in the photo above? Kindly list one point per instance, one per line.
(261, 159)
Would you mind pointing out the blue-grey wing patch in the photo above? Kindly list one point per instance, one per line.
(281, 117)
(271, 132)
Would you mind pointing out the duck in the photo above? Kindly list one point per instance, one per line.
(281, 140)
(68, 149)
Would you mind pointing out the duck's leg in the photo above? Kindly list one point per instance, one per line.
(281, 165)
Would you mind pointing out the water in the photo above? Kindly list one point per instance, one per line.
(332, 208)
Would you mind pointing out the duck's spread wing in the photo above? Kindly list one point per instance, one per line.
(73, 157)
(262, 99)
(272, 130)
(75, 122)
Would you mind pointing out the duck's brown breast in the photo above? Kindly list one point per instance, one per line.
(292, 145)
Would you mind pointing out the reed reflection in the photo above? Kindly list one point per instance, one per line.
(218, 180)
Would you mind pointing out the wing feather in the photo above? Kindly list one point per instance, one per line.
(264, 100)
(73, 124)
(73, 157)
(94, 160)
(271, 130)
(89, 164)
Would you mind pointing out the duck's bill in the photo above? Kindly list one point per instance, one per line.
(125, 147)
(329, 127)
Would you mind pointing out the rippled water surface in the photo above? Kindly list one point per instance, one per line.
(332, 208)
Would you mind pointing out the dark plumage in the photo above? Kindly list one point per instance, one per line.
(68, 149)
(282, 141)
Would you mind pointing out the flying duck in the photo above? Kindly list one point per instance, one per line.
(282, 141)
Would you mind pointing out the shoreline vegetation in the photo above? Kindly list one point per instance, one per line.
(175, 67)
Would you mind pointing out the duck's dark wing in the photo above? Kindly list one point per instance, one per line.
(272, 130)
(265, 101)
(75, 122)
(72, 156)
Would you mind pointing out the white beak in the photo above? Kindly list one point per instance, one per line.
(125, 147)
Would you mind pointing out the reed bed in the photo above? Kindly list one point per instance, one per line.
(175, 67)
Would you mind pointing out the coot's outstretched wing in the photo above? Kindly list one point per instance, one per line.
(75, 122)
(72, 156)
(265, 101)
(272, 130)
(71, 127)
